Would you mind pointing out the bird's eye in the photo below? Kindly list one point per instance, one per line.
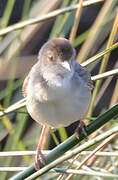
(51, 58)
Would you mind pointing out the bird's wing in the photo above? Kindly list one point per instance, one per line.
(36, 78)
(82, 72)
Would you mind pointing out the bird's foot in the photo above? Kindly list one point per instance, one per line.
(81, 128)
(39, 160)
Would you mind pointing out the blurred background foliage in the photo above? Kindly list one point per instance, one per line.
(91, 29)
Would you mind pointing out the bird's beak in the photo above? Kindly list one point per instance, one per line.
(66, 65)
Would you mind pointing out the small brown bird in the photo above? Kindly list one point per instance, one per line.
(57, 88)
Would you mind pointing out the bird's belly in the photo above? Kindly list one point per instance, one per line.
(58, 114)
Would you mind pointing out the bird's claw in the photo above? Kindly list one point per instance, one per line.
(81, 129)
(39, 160)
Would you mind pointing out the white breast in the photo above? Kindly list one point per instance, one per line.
(64, 105)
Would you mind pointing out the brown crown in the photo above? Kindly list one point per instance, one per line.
(60, 46)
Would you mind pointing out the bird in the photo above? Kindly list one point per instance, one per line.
(57, 88)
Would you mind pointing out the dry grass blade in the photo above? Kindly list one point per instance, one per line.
(110, 42)
(100, 153)
(87, 173)
(114, 98)
(31, 153)
(103, 64)
(13, 107)
(105, 86)
(68, 171)
(95, 29)
(11, 169)
(99, 55)
(76, 22)
(104, 143)
(18, 153)
(104, 75)
(45, 17)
